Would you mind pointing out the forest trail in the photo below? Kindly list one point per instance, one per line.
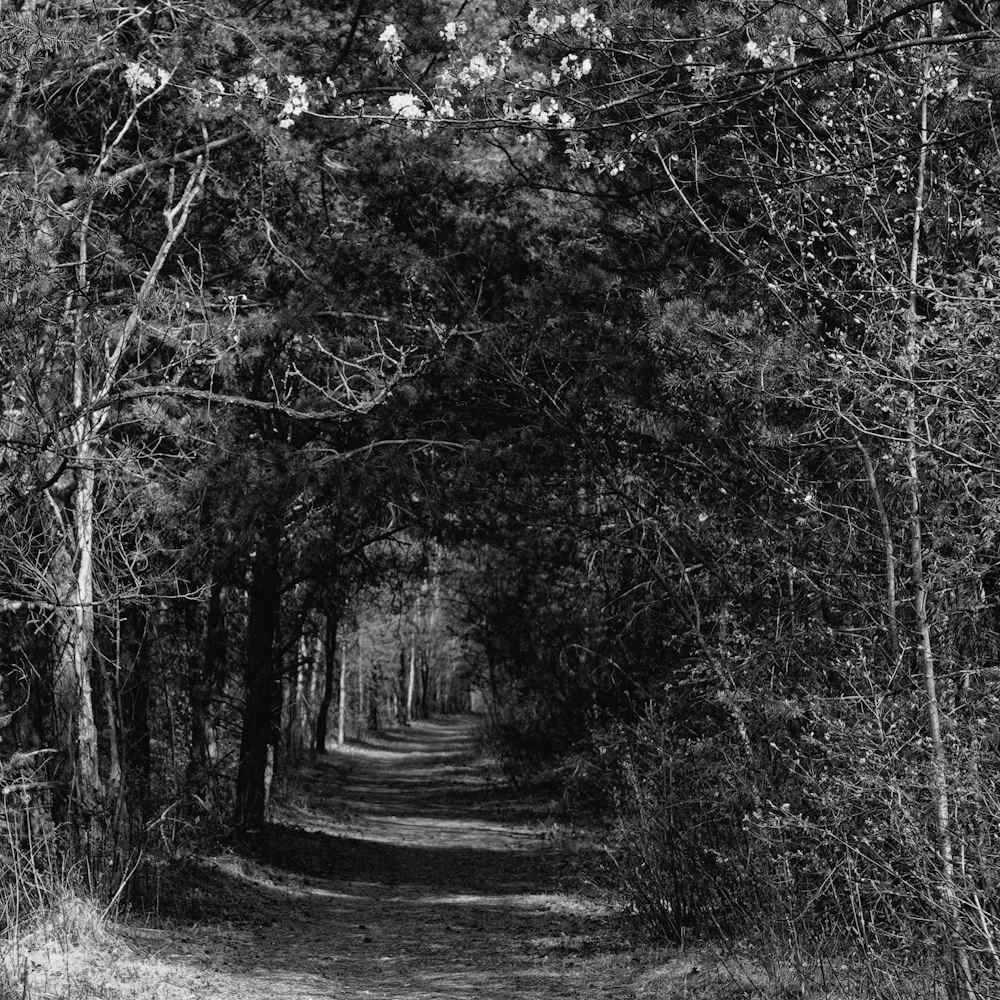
(395, 871)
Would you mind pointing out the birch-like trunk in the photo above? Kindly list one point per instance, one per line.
(941, 799)
(891, 606)
(82, 798)
(342, 703)
(361, 691)
(411, 683)
(73, 696)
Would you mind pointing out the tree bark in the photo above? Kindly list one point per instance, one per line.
(891, 611)
(951, 908)
(297, 682)
(322, 719)
(258, 679)
(133, 691)
(361, 692)
(411, 683)
(205, 674)
(425, 685)
(342, 703)
(76, 733)
(374, 697)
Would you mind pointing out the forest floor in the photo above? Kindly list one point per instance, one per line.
(397, 868)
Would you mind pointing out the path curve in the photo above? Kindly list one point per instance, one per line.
(395, 872)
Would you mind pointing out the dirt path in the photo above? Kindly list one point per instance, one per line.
(395, 872)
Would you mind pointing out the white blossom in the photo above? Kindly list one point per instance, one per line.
(572, 66)
(392, 44)
(252, 84)
(479, 70)
(406, 106)
(537, 114)
(139, 78)
(599, 35)
(611, 165)
(541, 25)
(212, 96)
(297, 101)
(452, 30)
(582, 18)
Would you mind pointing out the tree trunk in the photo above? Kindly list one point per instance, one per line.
(342, 703)
(315, 687)
(322, 719)
(939, 757)
(411, 683)
(297, 681)
(205, 673)
(890, 613)
(425, 685)
(374, 696)
(960, 967)
(82, 796)
(361, 692)
(133, 689)
(258, 680)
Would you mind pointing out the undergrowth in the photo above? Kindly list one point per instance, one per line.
(815, 855)
(59, 939)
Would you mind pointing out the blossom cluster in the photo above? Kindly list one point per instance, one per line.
(411, 108)
(139, 79)
(252, 84)
(581, 158)
(582, 21)
(778, 49)
(544, 113)
(528, 107)
(392, 44)
(211, 96)
(479, 70)
(297, 102)
(406, 106)
(541, 25)
(572, 67)
(452, 30)
(209, 93)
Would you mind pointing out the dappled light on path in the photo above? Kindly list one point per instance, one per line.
(391, 871)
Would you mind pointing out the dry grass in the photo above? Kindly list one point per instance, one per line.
(56, 942)
(72, 949)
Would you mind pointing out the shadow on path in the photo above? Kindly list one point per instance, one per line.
(392, 872)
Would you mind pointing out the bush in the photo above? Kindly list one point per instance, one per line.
(806, 820)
